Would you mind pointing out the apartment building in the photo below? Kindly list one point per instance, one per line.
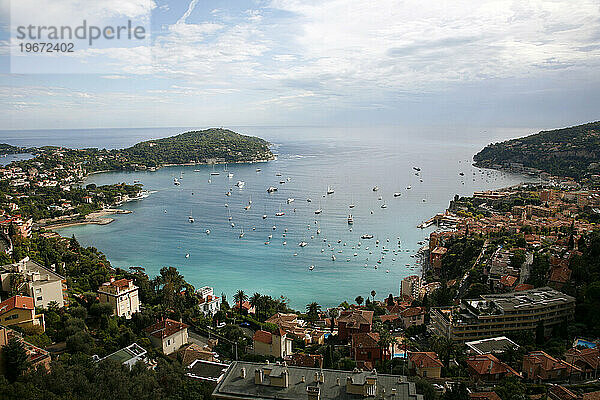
(499, 314)
(122, 295)
(39, 282)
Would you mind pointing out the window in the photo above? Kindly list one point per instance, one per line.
(168, 342)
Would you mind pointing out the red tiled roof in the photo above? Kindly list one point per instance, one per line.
(263, 337)
(484, 396)
(355, 318)
(508, 280)
(560, 274)
(121, 282)
(547, 362)
(588, 356)
(385, 318)
(20, 302)
(365, 340)
(488, 364)
(562, 392)
(425, 359)
(412, 312)
(523, 286)
(165, 328)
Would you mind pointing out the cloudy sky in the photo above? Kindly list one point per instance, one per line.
(321, 62)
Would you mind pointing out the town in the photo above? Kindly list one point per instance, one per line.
(504, 307)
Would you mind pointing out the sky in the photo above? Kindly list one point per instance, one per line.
(492, 63)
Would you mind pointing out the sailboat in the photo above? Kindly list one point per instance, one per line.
(329, 190)
(191, 218)
(280, 213)
(242, 233)
(350, 219)
(213, 171)
(229, 174)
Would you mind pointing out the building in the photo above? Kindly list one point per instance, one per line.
(38, 358)
(586, 359)
(20, 311)
(168, 335)
(40, 283)
(209, 303)
(207, 371)
(487, 368)
(497, 314)
(412, 316)
(246, 380)
(192, 352)
(425, 364)
(494, 345)
(354, 321)
(277, 344)
(366, 351)
(122, 295)
(307, 360)
(128, 356)
(410, 287)
(539, 366)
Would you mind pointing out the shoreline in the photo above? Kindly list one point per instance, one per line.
(94, 218)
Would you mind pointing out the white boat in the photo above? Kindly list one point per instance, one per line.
(176, 182)
(311, 267)
(270, 237)
(274, 227)
(278, 174)
(264, 216)
(302, 244)
(318, 211)
(290, 200)
(230, 175)
(213, 171)
(228, 194)
(333, 257)
(240, 184)
(408, 187)
(187, 255)
(284, 243)
(375, 188)
(271, 189)
(350, 219)
(308, 200)
(279, 214)
(232, 225)
(366, 237)
(351, 206)
(242, 233)
(397, 194)
(247, 207)
(257, 169)
(191, 218)
(384, 205)
(329, 190)
(208, 231)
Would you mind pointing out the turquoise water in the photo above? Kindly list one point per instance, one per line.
(351, 161)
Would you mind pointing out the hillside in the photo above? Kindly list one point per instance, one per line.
(209, 145)
(573, 151)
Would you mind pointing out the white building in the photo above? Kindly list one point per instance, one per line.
(209, 303)
(122, 295)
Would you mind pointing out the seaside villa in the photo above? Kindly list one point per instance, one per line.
(122, 295)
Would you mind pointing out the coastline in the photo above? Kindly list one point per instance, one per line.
(94, 218)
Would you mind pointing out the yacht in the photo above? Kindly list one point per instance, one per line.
(228, 194)
(257, 169)
(397, 194)
(278, 174)
(302, 244)
(240, 184)
(187, 255)
(333, 257)
(350, 219)
(279, 213)
(329, 190)
(408, 188)
(264, 216)
(366, 237)
(309, 200)
(208, 231)
(416, 168)
(318, 211)
(271, 189)
(247, 207)
(351, 206)
(191, 218)
(290, 200)
(242, 233)
(274, 227)
(311, 267)
(384, 205)
(230, 175)
(375, 188)
(176, 182)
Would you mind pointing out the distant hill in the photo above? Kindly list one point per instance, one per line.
(572, 152)
(10, 149)
(210, 145)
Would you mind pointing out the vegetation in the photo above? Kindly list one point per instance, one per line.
(573, 151)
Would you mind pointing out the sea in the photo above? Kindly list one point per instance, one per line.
(268, 257)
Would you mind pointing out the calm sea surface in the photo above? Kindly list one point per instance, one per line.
(351, 161)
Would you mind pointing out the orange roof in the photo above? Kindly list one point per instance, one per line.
(591, 396)
(355, 318)
(590, 357)
(385, 318)
(439, 250)
(165, 328)
(121, 282)
(20, 302)
(263, 337)
(425, 359)
(365, 340)
(561, 392)
(547, 362)
(508, 280)
(523, 286)
(560, 274)
(412, 312)
(484, 396)
(488, 364)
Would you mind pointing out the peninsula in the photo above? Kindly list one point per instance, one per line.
(572, 152)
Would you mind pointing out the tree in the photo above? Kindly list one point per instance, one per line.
(16, 360)
(312, 311)
(390, 300)
(458, 391)
(359, 300)
(511, 388)
(373, 293)
(445, 348)
(239, 297)
(255, 301)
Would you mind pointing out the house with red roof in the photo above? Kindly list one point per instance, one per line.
(168, 335)
(484, 396)
(586, 359)
(425, 364)
(354, 321)
(539, 366)
(488, 368)
(122, 295)
(276, 344)
(366, 350)
(20, 311)
(412, 316)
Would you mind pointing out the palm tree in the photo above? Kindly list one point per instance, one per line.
(240, 297)
(445, 348)
(373, 293)
(255, 301)
(312, 311)
(359, 300)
